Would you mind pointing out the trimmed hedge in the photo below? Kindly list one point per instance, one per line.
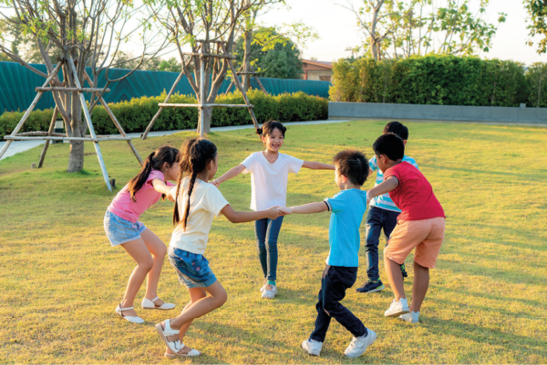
(136, 114)
(433, 79)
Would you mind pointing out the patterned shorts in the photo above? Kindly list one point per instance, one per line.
(193, 269)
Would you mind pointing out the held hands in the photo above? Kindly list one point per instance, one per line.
(286, 211)
(274, 212)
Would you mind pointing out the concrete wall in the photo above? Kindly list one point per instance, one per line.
(439, 112)
(314, 75)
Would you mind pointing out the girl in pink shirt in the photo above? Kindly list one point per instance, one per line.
(122, 226)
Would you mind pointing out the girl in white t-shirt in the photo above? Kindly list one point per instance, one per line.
(269, 175)
(196, 203)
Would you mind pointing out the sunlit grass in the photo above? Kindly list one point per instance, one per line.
(60, 280)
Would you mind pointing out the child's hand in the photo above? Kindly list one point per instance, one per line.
(274, 213)
(215, 182)
(286, 210)
(170, 197)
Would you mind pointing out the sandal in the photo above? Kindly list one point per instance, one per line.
(132, 319)
(149, 304)
(171, 339)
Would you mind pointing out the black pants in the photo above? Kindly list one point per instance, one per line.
(336, 280)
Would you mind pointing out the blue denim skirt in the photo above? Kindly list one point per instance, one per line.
(193, 269)
(119, 230)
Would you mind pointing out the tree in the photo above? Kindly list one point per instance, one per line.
(402, 28)
(278, 60)
(170, 65)
(87, 34)
(207, 27)
(537, 22)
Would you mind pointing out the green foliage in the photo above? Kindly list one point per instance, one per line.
(536, 77)
(433, 79)
(537, 10)
(273, 55)
(136, 114)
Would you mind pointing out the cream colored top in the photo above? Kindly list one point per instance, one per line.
(206, 202)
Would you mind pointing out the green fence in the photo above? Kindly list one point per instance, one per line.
(17, 86)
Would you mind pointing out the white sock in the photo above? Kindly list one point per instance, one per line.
(403, 301)
(412, 317)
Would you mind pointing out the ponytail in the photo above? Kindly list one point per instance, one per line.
(195, 155)
(154, 161)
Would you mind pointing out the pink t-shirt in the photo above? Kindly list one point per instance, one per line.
(125, 208)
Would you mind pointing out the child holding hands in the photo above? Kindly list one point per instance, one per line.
(347, 209)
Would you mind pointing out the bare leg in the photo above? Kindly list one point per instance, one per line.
(395, 277)
(420, 286)
(139, 252)
(158, 250)
(202, 306)
(195, 295)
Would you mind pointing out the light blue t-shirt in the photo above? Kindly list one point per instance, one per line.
(347, 207)
(384, 201)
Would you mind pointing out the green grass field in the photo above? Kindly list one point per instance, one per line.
(60, 280)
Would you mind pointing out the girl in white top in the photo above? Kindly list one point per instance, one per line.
(269, 175)
(196, 203)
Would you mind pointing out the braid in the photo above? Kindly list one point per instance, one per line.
(176, 216)
(190, 190)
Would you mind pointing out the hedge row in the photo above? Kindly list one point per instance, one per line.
(437, 79)
(136, 114)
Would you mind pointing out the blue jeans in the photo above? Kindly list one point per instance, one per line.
(377, 218)
(336, 280)
(268, 229)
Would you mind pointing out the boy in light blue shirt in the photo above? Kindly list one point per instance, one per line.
(347, 207)
(382, 214)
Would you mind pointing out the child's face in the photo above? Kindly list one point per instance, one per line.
(171, 172)
(212, 168)
(274, 140)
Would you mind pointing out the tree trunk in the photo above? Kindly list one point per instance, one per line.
(247, 60)
(207, 114)
(76, 155)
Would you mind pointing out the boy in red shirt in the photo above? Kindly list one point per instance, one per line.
(420, 225)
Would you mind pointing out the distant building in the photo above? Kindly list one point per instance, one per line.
(317, 70)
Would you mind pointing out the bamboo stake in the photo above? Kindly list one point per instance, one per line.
(49, 132)
(214, 55)
(202, 97)
(238, 84)
(72, 89)
(149, 128)
(90, 125)
(54, 138)
(207, 105)
(30, 108)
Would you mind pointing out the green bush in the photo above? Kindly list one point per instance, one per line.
(136, 114)
(432, 79)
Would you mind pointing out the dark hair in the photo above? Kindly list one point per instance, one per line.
(398, 129)
(353, 165)
(390, 145)
(195, 154)
(269, 126)
(154, 161)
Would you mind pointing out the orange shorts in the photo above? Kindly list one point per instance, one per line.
(426, 235)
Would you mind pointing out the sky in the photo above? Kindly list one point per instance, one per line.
(337, 29)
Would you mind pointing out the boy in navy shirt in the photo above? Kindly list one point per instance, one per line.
(348, 208)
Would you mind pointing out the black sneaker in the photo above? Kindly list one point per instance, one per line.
(403, 271)
(371, 287)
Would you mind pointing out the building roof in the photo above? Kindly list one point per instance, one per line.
(324, 64)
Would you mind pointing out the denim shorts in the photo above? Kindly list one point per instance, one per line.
(119, 230)
(193, 269)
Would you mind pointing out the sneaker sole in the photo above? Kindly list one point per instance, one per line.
(309, 353)
(352, 356)
(380, 288)
(396, 314)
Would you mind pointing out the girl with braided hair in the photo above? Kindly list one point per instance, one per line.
(196, 204)
(269, 176)
(123, 228)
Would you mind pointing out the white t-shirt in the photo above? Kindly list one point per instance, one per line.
(269, 180)
(205, 203)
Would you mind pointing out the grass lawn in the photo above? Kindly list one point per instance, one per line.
(60, 280)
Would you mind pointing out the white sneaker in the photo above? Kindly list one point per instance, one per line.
(359, 345)
(269, 294)
(312, 347)
(412, 317)
(397, 308)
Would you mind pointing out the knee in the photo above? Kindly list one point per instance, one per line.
(161, 252)
(146, 264)
(221, 298)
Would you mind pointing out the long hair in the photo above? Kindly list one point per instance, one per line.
(195, 154)
(155, 161)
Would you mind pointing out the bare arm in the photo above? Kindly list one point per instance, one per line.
(161, 187)
(306, 208)
(317, 165)
(233, 172)
(241, 217)
(391, 183)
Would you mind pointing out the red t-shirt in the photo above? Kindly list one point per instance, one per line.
(414, 195)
